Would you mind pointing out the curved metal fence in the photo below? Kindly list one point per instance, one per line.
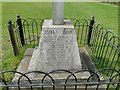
(103, 44)
(69, 80)
(105, 47)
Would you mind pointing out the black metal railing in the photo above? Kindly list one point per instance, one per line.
(103, 44)
(71, 80)
(32, 29)
(25, 31)
(105, 47)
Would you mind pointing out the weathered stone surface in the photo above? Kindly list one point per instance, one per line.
(59, 76)
(86, 62)
(86, 59)
(29, 52)
(23, 66)
(58, 48)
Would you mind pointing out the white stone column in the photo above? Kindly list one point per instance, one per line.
(58, 12)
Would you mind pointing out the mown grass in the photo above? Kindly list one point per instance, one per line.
(9, 12)
(105, 14)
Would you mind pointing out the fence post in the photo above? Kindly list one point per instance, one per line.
(19, 22)
(12, 37)
(90, 30)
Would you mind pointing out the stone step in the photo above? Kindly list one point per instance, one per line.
(85, 59)
(23, 66)
(87, 64)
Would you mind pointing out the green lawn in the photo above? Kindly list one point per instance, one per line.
(105, 14)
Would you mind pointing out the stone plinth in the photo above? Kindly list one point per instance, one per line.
(57, 49)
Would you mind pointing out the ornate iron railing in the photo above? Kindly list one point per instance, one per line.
(72, 80)
(104, 45)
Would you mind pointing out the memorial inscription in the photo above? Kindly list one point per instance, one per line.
(58, 48)
(63, 31)
(58, 42)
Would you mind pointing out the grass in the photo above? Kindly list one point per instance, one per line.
(105, 14)
(25, 10)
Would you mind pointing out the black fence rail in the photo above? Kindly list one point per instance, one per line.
(71, 80)
(32, 29)
(104, 45)
(24, 32)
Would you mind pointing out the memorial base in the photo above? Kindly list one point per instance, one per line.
(58, 49)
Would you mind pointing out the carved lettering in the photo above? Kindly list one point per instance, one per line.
(65, 31)
(49, 32)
